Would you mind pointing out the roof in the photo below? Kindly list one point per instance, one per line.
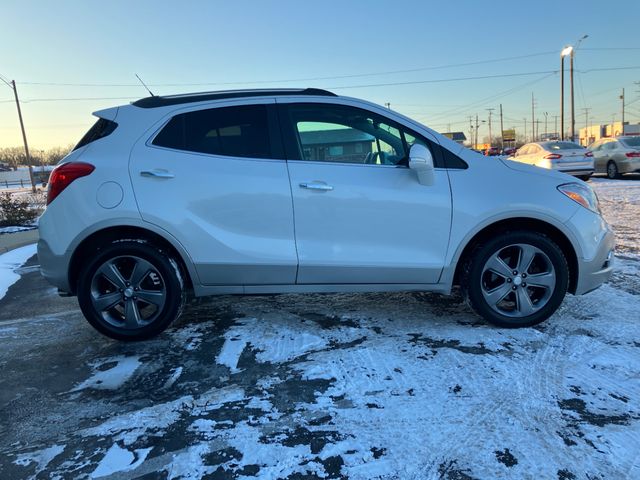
(155, 101)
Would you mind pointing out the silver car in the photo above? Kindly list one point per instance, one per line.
(616, 156)
(566, 157)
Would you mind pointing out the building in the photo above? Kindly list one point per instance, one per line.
(458, 137)
(590, 134)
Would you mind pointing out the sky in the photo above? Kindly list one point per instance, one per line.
(437, 62)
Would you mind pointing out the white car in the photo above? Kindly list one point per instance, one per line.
(567, 157)
(616, 156)
(272, 191)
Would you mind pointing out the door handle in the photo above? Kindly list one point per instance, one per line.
(317, 186)
(157, 173)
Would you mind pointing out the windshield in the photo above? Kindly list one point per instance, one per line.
(563, 146)
(632, 142)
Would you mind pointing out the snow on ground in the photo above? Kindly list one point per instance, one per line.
(11, 261)
(360, 386)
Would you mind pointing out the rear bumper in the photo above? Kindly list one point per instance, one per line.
(54, 268)
(578, 172)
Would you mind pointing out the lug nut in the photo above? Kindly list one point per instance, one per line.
(514, 288)
(524, 284)
(524, 275)
(509, 280)
(515, 272)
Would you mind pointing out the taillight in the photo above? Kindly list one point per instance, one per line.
(62, 176)
(553, 156)
(588, 154)
(632, 154)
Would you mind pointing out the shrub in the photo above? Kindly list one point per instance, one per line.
(16, 211)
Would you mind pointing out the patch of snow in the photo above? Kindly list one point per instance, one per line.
(41, 457)
(190, 464)
(172, 379)
(111, 378)
(11, 261)
(4, 230)
(118, 459)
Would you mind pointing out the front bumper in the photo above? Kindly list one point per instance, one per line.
(596, 271)
(54, 268)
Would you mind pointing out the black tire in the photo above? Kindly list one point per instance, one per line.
(584, 178)
(480, 282)
(612, 170)
(130, 290)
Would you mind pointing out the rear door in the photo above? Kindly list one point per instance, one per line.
(215, 178)
(361, 216)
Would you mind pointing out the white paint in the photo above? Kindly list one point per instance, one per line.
(11, 261)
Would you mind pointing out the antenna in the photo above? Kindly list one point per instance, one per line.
(144, 85)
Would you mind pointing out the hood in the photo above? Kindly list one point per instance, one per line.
(551, 174)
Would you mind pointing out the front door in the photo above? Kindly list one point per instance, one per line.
(361, 216)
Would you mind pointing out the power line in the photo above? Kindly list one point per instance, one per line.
(307, 79)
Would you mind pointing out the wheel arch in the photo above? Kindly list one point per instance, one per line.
(98, 239)
(528, 224)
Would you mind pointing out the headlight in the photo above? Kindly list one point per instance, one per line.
(582, 194)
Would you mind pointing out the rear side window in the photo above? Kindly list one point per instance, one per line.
(100, 129)
(241, 131)
(632, 142)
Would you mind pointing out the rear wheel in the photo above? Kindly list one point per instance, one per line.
(612, 170)
(517, 279)
(130, 291)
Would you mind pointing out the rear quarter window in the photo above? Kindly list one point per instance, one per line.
(241, 131)
(100, 129)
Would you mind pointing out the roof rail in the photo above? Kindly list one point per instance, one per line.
(154, 102)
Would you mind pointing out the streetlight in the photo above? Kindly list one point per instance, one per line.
(570, 51)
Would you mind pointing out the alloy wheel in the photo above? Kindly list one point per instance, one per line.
(128, 292)
(518, 280)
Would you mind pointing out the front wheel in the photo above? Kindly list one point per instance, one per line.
(612, 170)
(517, 279)
(130, 290)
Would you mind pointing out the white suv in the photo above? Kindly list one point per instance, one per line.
(305, 191)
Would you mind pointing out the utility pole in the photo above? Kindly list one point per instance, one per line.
(546, 114)
(538, 128)
(525, 130)
(12, 85)
(501, 130)
(533, 119)
(561, 96)
(586, 126)
(622, 98)
(471, 131)
(573, 115)
(490, 112)
(555, 125)
(475, 145)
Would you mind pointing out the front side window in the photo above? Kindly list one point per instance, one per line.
(341, 134)
(564, 146)
(240, 131)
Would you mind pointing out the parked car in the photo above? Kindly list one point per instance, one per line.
(273, 191)
(567, 157)
(492, 152)
(5, 168)
(509, 151)
(616, 156)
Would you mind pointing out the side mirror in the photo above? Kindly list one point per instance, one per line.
(421, 161)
